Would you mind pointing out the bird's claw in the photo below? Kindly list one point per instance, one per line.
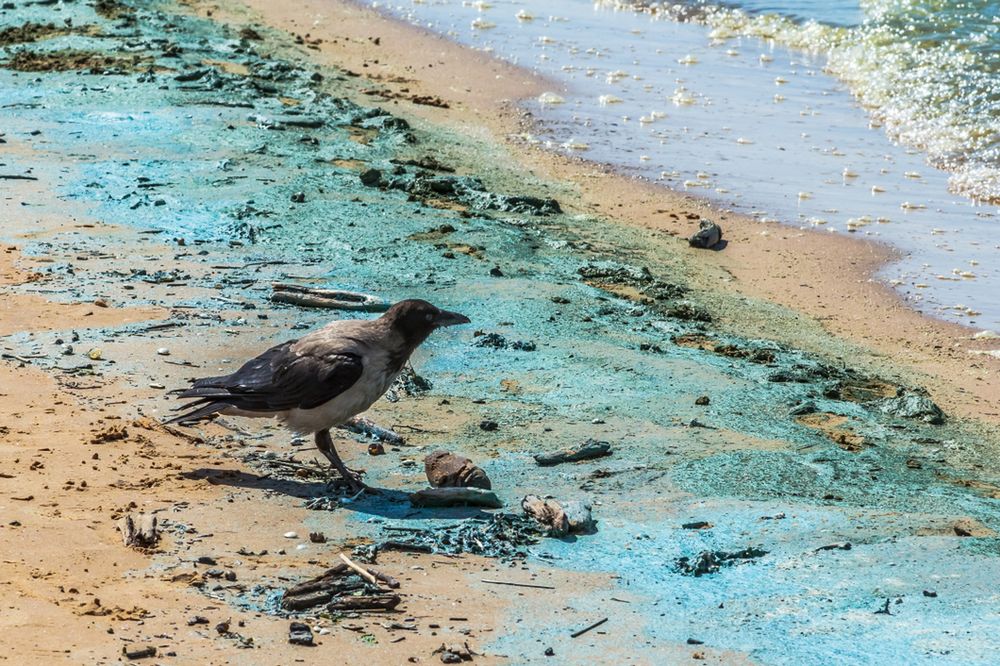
(354, 482)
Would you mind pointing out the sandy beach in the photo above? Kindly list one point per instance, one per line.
(158, 201)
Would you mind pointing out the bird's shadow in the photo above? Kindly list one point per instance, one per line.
(385, 502)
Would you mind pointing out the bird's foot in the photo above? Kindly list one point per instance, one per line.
(352, 478)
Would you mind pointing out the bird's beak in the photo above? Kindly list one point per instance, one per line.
(446, 318)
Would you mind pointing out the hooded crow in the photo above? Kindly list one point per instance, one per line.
(322, 379)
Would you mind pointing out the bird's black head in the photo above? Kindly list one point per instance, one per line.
(415, 319)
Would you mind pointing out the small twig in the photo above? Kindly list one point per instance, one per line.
(23, 359)
(348, 500)
(361, 572)
(504, 582)
(11, 176)
(166, 324)
(577, 634)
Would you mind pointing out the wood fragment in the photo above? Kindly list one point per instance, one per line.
(139, 531)
(364, 602)
(577, 634)
(440, 497)
(512, 584)
(403, 547)
(140, 653)
(391, 582)
(295, 294)
(14, 176)
(361, 572)
(359, 425)
(586, 451)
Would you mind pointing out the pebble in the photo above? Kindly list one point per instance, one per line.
(291, 535)
(163, 351)
(299, 633)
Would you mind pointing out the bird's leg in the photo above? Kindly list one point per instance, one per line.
(325, 445)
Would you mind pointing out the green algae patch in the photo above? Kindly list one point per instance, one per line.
(112, 10)
(92, 62)
(31, 32)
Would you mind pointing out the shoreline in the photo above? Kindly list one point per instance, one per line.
(964, 382)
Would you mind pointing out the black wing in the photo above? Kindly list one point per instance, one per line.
(276, 380)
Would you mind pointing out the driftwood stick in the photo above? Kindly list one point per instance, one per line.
(586, 451)
(325, 298)
(360, 571)
(436, 497)
(362, 426)
(304, 601)
(577, 634)
(504, 582)
(405, 547)
(385, 578)
(371, 602)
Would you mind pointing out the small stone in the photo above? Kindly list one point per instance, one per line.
(709, 235)
(163, 351)
(488, 425)
(139, 653)
(197, 619)
(496, 272)
(299, 633)
(94, 354)
(702, 400)
(376, 449)
(371, 177)
(930, 593)
(447, 470)
(549, 652)
(101, 303)
(317, 537)
(291, 535)
(299, 197)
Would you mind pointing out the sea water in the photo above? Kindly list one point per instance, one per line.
(879, 119)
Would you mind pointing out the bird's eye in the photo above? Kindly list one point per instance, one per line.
(429, 316)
